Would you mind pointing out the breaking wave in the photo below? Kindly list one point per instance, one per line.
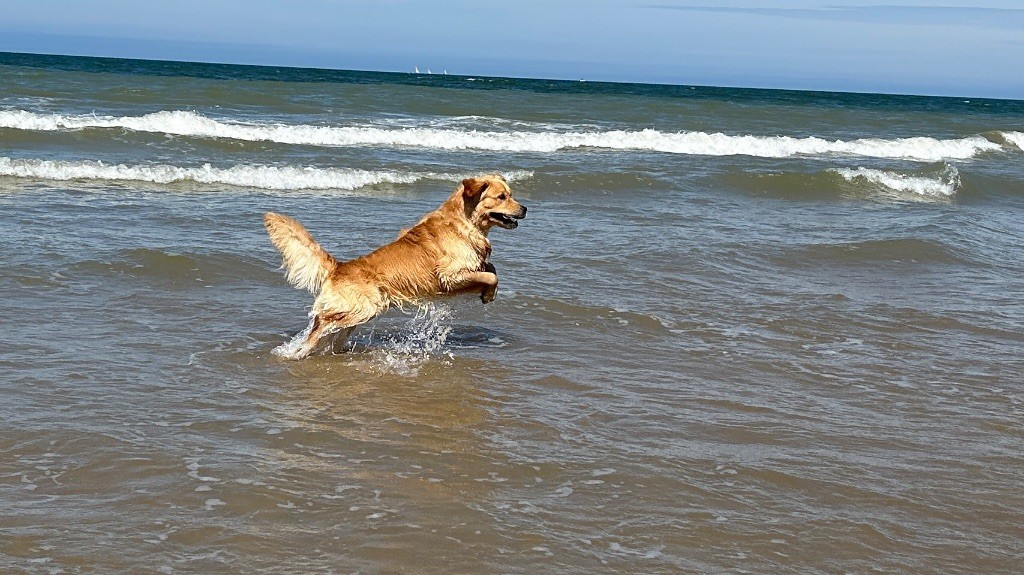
(936, 182)
(193, 124)
(1015, 138)
(944, 184)
(245, 176)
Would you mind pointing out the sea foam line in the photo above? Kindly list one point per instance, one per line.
(189, 123)
(944, 184)
(246, 176)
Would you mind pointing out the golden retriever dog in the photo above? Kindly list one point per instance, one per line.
(445, 253)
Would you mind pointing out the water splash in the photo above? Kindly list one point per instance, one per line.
(403, 350)
(425, 337)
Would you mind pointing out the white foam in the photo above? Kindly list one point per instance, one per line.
(188, 123)
(1015, 138)
(245, 175)
(944, 184)
(425, 337)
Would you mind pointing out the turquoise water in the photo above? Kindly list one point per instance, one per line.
(740, 331)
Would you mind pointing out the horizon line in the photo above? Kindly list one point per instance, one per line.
(457, 75)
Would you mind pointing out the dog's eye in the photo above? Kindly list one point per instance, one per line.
(502, 197)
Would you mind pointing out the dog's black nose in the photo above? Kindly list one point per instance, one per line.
(524, 210)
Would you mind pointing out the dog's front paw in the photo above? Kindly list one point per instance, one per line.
(488, 294)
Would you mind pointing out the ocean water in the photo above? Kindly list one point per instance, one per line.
(741, 331)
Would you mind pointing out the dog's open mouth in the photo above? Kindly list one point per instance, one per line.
(507, 221)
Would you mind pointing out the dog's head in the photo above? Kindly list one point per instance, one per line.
(489, 202)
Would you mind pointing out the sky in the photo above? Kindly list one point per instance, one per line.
(906, 46)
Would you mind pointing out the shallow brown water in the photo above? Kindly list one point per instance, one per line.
(695, 364)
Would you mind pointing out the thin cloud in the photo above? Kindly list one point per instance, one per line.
(1012, 18)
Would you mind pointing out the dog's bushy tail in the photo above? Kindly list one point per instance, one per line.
(306, 262)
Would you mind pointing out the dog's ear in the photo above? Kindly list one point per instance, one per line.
(473, 187)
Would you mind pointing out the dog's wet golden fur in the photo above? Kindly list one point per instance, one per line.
(446, 253)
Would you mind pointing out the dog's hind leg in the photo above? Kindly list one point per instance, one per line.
(333, 328)
(327, 321)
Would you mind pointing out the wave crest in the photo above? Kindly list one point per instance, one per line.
(193, 124)
(1015, 138)
(944, 184)
(245, 176)
(883, 251)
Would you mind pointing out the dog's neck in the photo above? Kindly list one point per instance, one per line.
(460, 213)
(463, 209)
